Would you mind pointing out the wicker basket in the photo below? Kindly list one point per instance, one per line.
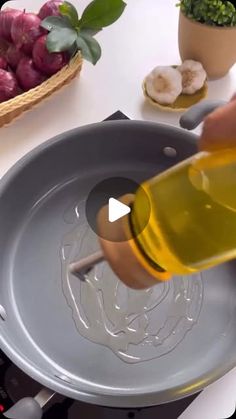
(13, 108)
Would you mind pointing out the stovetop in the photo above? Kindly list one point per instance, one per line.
(14, 385)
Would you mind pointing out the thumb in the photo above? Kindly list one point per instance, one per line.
(219, 128)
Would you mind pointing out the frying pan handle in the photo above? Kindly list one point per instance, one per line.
(29, 407)
(195, 115)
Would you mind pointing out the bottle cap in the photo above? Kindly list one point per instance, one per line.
(124, 256)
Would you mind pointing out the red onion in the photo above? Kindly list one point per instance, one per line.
(28, 76)
(7, 17)
(3, 63)
(13, 56)
(48, 63)
(51, 8)
(25, 30)
(8, 86)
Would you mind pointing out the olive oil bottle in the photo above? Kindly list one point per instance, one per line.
(192, 225)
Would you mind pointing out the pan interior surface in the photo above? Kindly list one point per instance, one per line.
(45, 226)
(137, 326)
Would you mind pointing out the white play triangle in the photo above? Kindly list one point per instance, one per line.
(116, 210)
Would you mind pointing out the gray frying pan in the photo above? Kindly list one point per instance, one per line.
(38, 325)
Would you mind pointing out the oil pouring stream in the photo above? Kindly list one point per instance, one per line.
(192, 224)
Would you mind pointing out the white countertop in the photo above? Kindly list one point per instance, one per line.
(145, 36)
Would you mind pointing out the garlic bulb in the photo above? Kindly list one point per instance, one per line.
(164, 85)
(193, 76)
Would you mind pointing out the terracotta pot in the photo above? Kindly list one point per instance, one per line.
(214, 47)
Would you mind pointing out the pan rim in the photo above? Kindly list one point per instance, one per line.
(36, 151)
(110, 399)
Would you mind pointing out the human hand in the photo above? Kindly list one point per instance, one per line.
(219, 128)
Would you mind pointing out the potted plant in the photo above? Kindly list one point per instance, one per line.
(207, 33)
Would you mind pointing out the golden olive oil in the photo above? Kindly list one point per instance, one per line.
(192, 224)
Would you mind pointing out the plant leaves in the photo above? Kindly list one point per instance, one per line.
(89, 47)
(67, 9)
(101, 13)
(73, 50)
(61, 39)
(54, 22)
(89, 31)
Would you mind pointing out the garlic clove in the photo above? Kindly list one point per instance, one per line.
(164, 84)
(193, 76)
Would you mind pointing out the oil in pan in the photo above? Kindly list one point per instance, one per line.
(136, 325)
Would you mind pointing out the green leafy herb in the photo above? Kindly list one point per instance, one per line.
(56, 22)
(101, 13)
(61, 39)
(73, 50)
(67, 9)
(68, 33)
(89, 47)
(89, 31)
(210, 12)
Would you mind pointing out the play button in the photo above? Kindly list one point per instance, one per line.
(109, 193)
(117, 210)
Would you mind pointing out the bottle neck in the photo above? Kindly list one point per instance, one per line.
(123, 254)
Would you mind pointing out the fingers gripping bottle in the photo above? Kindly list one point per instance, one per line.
(192, 224)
